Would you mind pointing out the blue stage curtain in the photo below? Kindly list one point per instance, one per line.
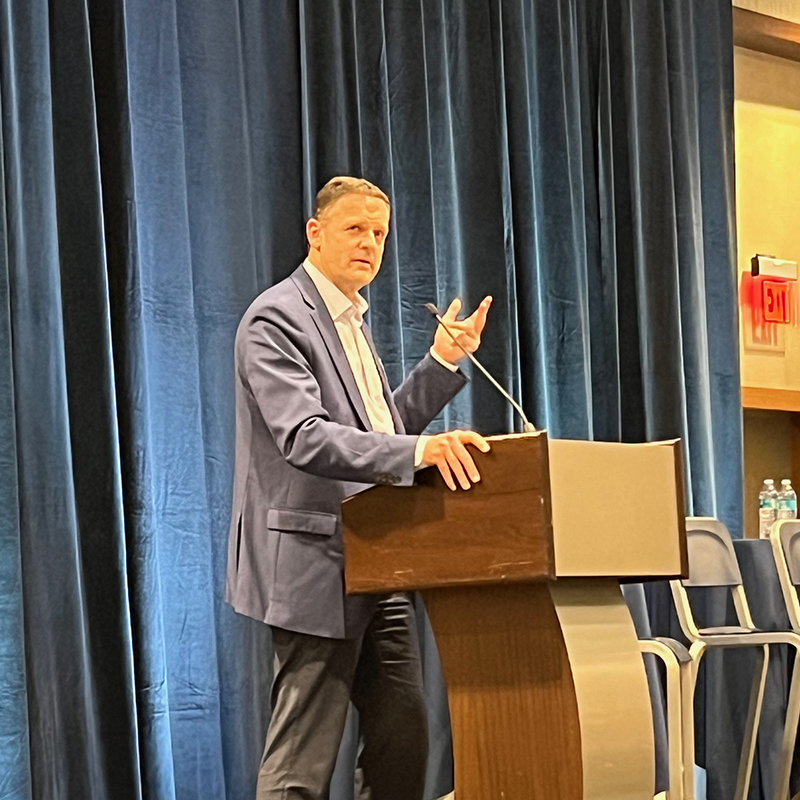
(573, 158)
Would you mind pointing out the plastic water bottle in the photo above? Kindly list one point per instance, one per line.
(787, 501)
(767, 507)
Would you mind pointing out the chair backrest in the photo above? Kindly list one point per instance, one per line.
(712, 563)
(790, 543)
(712, 559)
(785, 540)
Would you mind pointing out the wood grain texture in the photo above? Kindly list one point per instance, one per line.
(514, 714)
(423, 536)
(765, 34)
(770, 399)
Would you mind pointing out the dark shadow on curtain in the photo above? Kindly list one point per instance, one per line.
(572, 158)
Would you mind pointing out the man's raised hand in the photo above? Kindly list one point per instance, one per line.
(468, 331)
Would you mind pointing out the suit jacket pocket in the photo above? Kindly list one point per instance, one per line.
(295, 520)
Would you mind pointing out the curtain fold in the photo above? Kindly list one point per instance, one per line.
(572, 158)
(15, 775)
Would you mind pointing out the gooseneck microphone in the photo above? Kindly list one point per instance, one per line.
(527, 426)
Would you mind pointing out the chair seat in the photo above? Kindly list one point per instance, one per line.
(727, 629)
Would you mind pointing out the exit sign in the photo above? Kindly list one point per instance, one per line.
(775, 300)
(768, 303)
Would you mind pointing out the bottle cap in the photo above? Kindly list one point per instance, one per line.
(768, 480)
(786, 482)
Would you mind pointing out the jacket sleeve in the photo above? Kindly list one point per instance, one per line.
(427, 389)
(270, 352)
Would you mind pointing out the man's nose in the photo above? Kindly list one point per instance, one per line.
(368, 240)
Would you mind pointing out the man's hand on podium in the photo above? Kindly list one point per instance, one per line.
(449, 453)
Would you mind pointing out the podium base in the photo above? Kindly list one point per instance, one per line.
(547, 691)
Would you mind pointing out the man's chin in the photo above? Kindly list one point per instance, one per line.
(365, 272)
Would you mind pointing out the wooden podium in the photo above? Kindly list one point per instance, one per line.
(547, 690)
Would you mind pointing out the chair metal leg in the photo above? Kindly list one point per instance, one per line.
(752, 724)
(688, 686)
(688, 689)
(789, 734)
(675, 723)
(674, 729)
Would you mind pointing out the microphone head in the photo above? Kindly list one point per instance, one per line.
(432, 308)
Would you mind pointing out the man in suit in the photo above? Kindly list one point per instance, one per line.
(316, 421)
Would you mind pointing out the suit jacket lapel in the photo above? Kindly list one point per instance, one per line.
(387, 392)
(322, 319)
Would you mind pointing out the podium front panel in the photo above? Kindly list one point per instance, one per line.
(426, 536)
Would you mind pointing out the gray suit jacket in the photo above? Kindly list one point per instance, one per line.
(304, 443)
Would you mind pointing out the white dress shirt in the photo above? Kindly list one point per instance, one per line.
(348, 317)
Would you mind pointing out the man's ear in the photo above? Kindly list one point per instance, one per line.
(313, 231)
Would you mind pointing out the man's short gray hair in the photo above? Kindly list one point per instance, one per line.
(344, 184)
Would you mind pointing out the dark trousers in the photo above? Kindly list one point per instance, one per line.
(315, 680)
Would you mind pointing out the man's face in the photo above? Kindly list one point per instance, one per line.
(347, 241)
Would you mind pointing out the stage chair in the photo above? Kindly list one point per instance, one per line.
(679, 714)
(785, 539)
(712, 563)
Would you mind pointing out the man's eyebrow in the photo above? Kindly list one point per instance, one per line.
(359, 220)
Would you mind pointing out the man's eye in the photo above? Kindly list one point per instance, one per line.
(379, 234)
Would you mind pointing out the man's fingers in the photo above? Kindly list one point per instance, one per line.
(452, 311)
(462, 454)
(453, 459)
(457, 469)
(472, 325)
(446, 474)
(471, 437)
(480, 314)
(482, 310)
(460, 325)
